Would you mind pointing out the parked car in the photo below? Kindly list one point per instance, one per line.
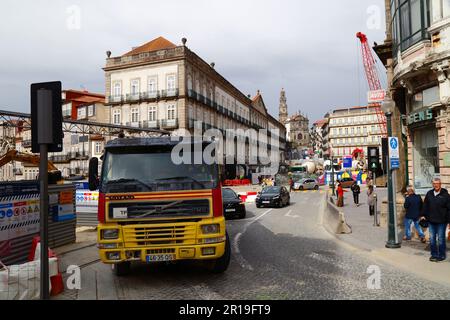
(347, 182)
(232, 204)
(306, 184)
(273, 196)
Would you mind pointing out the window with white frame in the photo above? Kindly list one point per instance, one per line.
(116, 116)
(91, 110)
(134, 115)
(81, 113)
(98, 147)
(171, 84)
(67, 109)
(135, 86)
(152, 85)
(171, 112)
(117, 89)
(152, 113)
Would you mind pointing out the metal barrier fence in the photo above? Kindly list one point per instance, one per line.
(86, 205)
(19, 218)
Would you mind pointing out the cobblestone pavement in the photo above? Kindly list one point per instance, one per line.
(276, 254)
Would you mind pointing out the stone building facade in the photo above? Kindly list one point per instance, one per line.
(351, 128)
(165, 86)
(416, 53)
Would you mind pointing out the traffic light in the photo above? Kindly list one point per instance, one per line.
(374, 158)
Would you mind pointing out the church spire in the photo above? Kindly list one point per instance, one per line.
(283, 107)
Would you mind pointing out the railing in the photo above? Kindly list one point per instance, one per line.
(60, 158)
(150, 95)
(192, 94)
(115, 99)
(152, 124)
(169, 93)
(136, 124)
(166, 123)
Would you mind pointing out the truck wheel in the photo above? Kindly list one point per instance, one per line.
(220, 265)
(122, 268)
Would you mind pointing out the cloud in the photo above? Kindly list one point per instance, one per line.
(307, 47)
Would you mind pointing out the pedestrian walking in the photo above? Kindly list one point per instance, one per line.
(369, 182)
(436, 211)
(291, 184)
(413, 205)
(340, 193)
(371, 199)
(356, 190)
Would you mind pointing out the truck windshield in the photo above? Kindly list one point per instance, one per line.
(155, 171)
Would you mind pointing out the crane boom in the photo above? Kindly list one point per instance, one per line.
(14, 155)
(372, 78)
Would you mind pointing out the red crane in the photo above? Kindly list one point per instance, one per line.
(372, 78)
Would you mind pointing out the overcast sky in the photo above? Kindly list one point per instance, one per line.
(307, 47)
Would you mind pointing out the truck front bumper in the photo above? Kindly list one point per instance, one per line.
(196, 252)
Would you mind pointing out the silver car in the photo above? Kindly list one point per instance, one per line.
(306, 184)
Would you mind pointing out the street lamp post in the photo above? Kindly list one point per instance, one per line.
(392, 242)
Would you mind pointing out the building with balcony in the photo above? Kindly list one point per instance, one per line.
(161, 85)
(416, 53)
(318, 136)
(351, 128)
(77, 148)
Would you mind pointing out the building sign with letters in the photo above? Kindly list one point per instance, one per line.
(420, 116)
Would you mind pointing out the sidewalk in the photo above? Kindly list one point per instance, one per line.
(412, 256)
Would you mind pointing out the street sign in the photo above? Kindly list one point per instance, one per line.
(394, 154)
(347, 163)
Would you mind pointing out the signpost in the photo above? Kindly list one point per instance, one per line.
(46, 135)
(394, 164)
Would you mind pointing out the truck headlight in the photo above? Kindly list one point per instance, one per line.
(210, 228)
(110, 234)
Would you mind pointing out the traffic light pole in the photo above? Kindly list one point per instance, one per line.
(392, 242)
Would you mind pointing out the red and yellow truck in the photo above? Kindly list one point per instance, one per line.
(152, 208)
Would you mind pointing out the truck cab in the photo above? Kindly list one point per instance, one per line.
(154, 208)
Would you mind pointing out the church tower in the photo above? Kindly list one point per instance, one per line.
(283, 107)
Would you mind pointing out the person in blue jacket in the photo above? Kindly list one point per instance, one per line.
(413, 205)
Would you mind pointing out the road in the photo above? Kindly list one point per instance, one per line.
(276, 254)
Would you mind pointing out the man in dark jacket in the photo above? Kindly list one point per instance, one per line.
(356, 190)
(436, 211)
(413, 205)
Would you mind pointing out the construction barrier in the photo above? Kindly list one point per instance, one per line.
(248, 197)
(86, 205)
(20, 217)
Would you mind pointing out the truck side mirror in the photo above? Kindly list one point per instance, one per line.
(93, 174)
